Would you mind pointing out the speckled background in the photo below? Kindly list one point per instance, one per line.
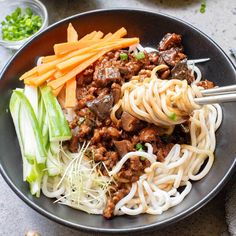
(219, 22)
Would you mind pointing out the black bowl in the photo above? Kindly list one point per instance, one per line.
(150, 27)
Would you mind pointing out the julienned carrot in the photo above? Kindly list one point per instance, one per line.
(122, 43)
(71, 100)
(107, 36)
(63, 48)
(29, 73)
(43, 68)
(88, 36)
(30, 78)
(117, 35)
(72, 35)
(74, 61)
(59, 71)
(93, 47)
(61, 97)
(59, 74)
(62, 80)
(49, 58)
(98, 35)
(70, 96)
(37, 81)
(57, 91)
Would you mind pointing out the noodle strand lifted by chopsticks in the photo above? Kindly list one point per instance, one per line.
(161, 102)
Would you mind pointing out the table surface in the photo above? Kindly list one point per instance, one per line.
(219, 22)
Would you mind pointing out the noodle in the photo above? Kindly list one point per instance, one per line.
(158, 189)
(164, 103)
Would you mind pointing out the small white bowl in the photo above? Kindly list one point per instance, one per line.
(7, 7)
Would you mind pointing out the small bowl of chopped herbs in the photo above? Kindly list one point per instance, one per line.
(20, 20)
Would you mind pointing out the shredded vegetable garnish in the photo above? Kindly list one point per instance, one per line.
(84, 186)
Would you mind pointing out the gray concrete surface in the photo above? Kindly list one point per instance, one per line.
(219, 22)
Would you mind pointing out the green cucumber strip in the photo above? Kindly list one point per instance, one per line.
(27, 135)
(43, 122)
(30, 115)
(31, 173)
(14, 109)
(58, 126)
(31, 94)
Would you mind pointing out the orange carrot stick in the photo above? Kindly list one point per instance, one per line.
(72, 35)
(57, 91)
(29, 73)
(96, 47)
(98, 35)
(74, 61)
(58, 74)
(119, 33)
(63, 48)
(37, 81)
(49, 58)
(70, 96)
(88, 36)
(61, 97)
(71, 93)
(63, 79)
(107, 35)
(44, 68)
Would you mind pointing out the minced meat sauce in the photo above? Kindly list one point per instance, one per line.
(99, 88)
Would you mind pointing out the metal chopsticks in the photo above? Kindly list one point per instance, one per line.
(217, 95)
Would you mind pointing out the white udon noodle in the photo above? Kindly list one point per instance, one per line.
(164, 103)
(158, 189)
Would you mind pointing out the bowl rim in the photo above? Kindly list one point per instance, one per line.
(43, 8)
(142, 228)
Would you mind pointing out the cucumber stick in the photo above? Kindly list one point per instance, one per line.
(53, 165)
(40, 126)
(32, 171)
(58, 126)
(28, 115)
(31, 94)
(43, 122)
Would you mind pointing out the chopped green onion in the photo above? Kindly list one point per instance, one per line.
(142, 158)
(123, 56)
(203, 7)
(140, 56)
(20, 25)
(139, 147)
(172, 116)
